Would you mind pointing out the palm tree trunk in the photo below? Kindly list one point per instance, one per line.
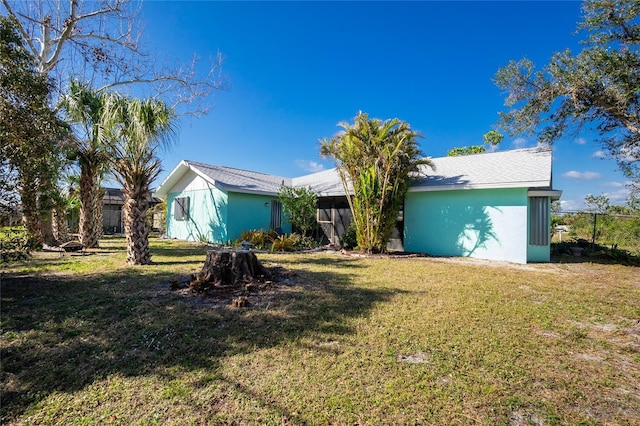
(46, 227)
(60, 227)
(32, 225)
(135, 223)
(98, 208)
(88, 190)
(45, 211)
(28, 198)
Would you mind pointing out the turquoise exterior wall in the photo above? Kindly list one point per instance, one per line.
(539, 253)
(218, 216)
(482, 223)
(250, 211)
(208, 213)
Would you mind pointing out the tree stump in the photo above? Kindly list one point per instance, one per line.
(229, 268)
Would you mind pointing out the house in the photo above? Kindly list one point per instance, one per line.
(112, 219)
(112, 202)
(216, 203)
(491, 205)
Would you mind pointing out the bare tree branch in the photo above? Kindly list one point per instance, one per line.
(98, 43)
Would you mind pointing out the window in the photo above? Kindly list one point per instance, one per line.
(323, 214)
(181, 208)
(276, 214)
(539, 221)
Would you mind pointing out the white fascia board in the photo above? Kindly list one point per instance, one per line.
(176, 174)
(498, 185)
(234, 188)
(555, 194)
(231, 188)
(163, 189)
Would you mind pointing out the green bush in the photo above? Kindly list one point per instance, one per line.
(613, 254)
(348, 239)
(15, 245)
(274, 242)
(612, 230)
(283, 243)
(304, 242)
(293, 242)
(259, 238)
(300, 206)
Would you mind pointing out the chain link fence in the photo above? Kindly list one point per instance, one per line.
(614, 231)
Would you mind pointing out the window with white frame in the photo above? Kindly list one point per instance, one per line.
(181, 208)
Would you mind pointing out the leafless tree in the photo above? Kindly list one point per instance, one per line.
(98, 42)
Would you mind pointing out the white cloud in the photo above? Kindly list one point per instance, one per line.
(309, 166)
(571, 205)
(613, 184)
(519, 142)
(582, 175)
(618, 197)
(581, 141)
(599, 154)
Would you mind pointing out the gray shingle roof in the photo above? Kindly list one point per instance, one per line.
(530, 168)
(237, 180)
(326, 183)
(517, 168)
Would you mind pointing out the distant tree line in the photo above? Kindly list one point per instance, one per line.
(601, 223)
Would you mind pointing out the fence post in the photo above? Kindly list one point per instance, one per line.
(593, 239)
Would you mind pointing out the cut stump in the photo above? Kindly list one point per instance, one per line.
(229, 268)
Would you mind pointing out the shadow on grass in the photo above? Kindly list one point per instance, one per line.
(343, 263)
(178, 251)
(196, 263)
(61, 333)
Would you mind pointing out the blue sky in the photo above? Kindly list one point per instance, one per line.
(296, 69)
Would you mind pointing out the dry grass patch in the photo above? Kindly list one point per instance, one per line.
(87, 340)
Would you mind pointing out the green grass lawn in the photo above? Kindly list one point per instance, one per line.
(345, 340)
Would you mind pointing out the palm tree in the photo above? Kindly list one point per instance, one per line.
(137, 130)
(376, 160)
(67, 205)
(84, 107)
(59, 220)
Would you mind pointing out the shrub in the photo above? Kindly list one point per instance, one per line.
(348, 239)
(259, 238)
(300, 206)
(271, 240)
(304, 242)
(613, 254)
(283, 243)
(15, 245)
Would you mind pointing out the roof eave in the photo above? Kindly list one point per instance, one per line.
(178, 171)
(242, 190)
(497, 185)
(176, 174)
(555, 194)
